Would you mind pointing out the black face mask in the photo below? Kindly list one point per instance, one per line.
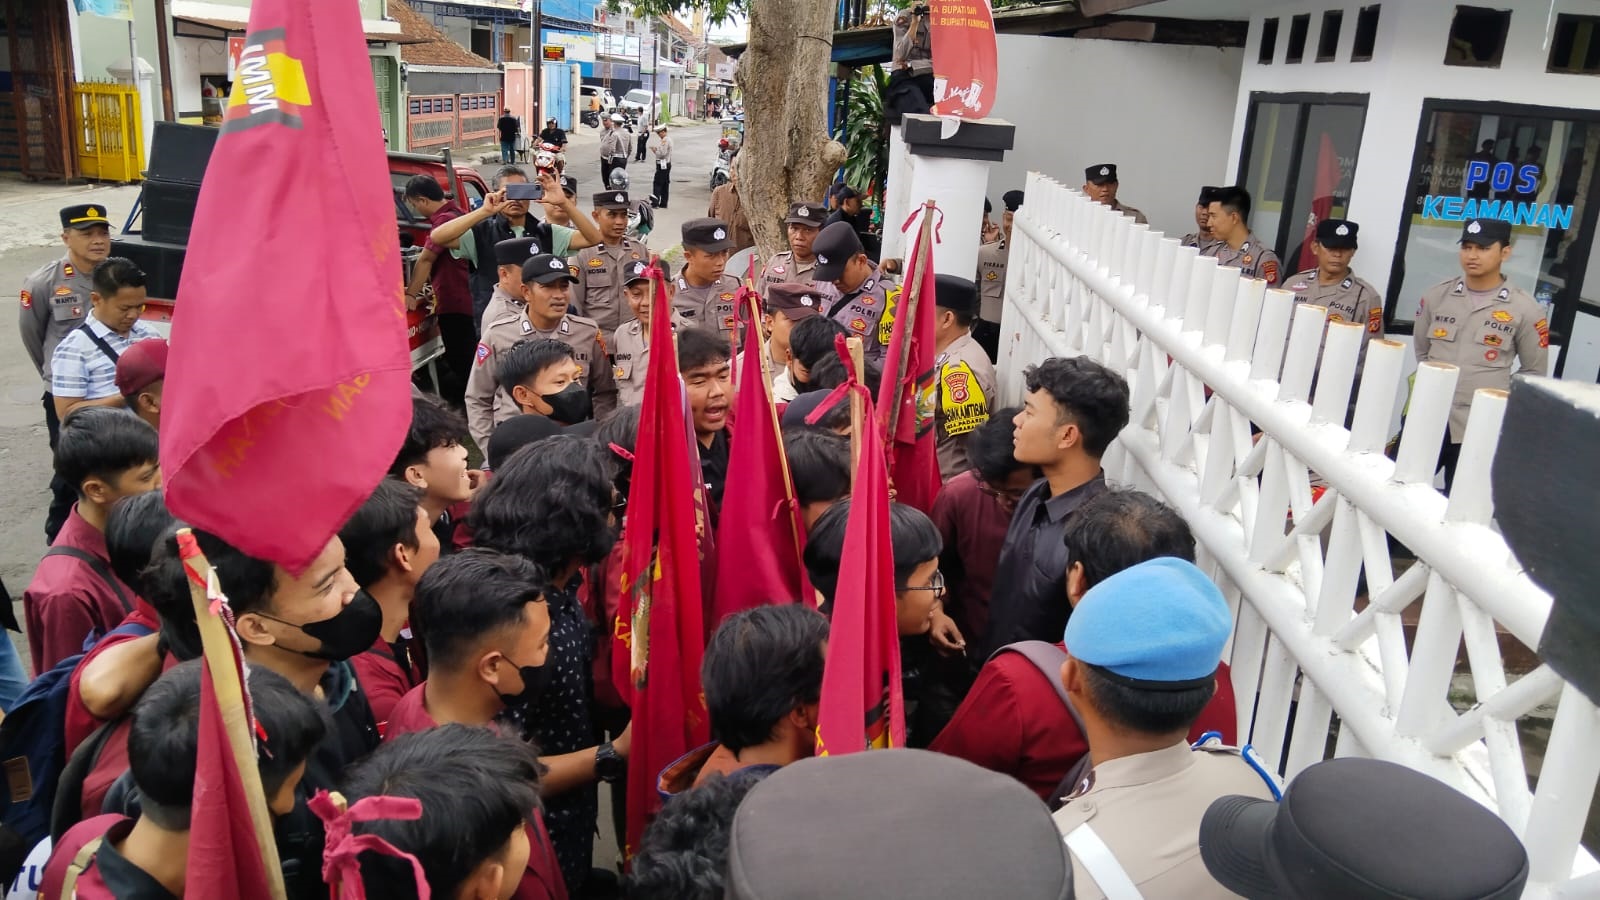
(354, 629)
(534, 680)
(570, 405)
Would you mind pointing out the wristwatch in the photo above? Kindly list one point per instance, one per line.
(608, 766)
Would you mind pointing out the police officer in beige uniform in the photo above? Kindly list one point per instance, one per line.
(600, 268)
(55, 300)
(1100, 183)
(863, 295)
(1478, 322)
(1143, 650)
(966, 384)
(1333, 285)
(546, 293)
(1201, 238)
(798, 264)
(992, 258)
(630, 343)
(505, 305)
(1234, 243)
(706, 294)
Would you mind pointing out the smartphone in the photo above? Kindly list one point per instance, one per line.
(531, 190)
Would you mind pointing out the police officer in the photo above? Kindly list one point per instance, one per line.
(1235, 244)
(546, 293)
(1333, 285)
(1013, 202)
(992, 258)
(1100, 183)
(1202, 237)
(706, 293)
(798, 263)
(863, 296)
(786, 304)
(55, 300)
(505, 304)
(600, 268)
(1143, 648)
(1478, 321)
(630, 343)
(966, 376)
(613, 148)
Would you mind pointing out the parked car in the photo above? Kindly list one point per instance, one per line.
(594, 98)
(636, 101)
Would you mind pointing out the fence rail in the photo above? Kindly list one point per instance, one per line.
(1234, 418)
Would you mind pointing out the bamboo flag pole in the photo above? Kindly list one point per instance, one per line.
(857, 407)
(222, 667)
(906, 316)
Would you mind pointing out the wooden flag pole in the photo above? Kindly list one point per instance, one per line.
(906, 313)
(223, 669)
(775, 423)
(857, 407)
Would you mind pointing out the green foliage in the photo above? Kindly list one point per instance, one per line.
(717, 11)
(864, 134)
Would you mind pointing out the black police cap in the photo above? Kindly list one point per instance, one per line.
(82, 216)
(1101, 173)
(836, 245)
(1337, 234)
(516, 251)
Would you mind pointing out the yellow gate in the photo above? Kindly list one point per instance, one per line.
(109, 133)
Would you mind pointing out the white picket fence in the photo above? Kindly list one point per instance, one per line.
(1202, 350)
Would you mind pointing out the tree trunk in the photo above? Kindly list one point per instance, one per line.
(787, 153)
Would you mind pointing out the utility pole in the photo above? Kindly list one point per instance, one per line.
(536, 60)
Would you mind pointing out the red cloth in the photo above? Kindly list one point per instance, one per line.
(967, 60)
(449, 277)
(1012, 722)
(973, 525)
(256, 400)
(409, 713)
(660, 581)
(913, 459)
(80, 723)
(382, 679)
(90, 886)
(861, 678)
(601, 597)
(66, 601)
(1328, 175)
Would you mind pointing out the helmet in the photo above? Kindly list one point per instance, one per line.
(619, 179)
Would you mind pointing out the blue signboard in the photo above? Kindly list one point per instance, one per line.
(1505, 178)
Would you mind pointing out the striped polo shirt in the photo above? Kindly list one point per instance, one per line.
(79, 368)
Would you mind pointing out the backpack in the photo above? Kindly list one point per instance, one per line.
(1047, 658)
(33, 752)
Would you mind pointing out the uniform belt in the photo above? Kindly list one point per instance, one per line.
(1092, 853)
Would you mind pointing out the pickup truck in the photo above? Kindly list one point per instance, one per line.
(163, 263)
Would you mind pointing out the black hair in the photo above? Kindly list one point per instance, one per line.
(424, 187)
(476, 787)
(1234, 199)
(550, 502)
(164, 738)
(819, 462)
(433, 425)
(989, 447)
(466, 596)
(701, 347)
(1122, 528)
(248, 582)
(913, 539)
(683, 853)
(104, 443)
(759, 665)
(811, 339)
(114, 273)
(132, 529)
(829, 373)
(517, 432)
(1089, 395)
(388, 517)
(527, 358)
(622, 430)
(1145, 711)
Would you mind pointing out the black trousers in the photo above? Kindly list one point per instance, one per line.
(987, 334)
(607, 166)
(460, 336)
(643, 140)
(62, 495)
(663, 185)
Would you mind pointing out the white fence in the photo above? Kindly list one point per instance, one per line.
(1202, 350)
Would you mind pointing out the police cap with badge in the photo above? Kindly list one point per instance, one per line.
(546, 269)
(1209, 194)
(635, 270)
(611, 200)
(1101, 173)
(1337, 234)
(796, 301)
(1012, 200)
(569, 185)
(802, 213)
(710, 235)
(836, 245)
(515, 251)
(1486, 232)
(84, 216)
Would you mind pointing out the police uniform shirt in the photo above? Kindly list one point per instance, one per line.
(1194, 240)
(1146, 808)
(1480, 331)
(1253, 257)
(991, 280)
(55, 300)
(784, 267)
(1349, 300)
(80, 368)
(1138, 216)
(861, 312)
(598, 294)
(630, 360)
(612, 143)
(966, 385)
(488, 405)
(710, 307)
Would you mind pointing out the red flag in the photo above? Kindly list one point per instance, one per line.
(861, 705)
(909, 391)
(1321, 199)
(660, 621)
(759, 534)
(966, 63)
(288, 385)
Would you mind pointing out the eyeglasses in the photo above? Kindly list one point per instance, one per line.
(935, 584)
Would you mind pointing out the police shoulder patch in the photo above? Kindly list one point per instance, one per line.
(482, 353)
(27, 300)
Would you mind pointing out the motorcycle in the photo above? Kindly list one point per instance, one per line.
(590, 118)
(722, 171)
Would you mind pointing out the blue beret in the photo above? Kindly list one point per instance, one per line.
(1159, 621)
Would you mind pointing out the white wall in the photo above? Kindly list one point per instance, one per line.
(102, 41)
(1161, 113)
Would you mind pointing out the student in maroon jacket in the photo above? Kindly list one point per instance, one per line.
(146, 858)
(104, 454)
(1013, 720)
(388, 544)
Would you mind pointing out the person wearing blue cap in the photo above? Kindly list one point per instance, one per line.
(1143, 648)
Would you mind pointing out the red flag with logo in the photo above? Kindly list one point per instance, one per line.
(660, 621)
(288, 384)
(759, 533)
(912, 389)
(966, 63)
(861, 706)
(1321, 199)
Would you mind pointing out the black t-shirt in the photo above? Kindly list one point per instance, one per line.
(714, 468)
(553, 136)
(508, 126)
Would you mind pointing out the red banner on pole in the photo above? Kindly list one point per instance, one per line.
(966, 63)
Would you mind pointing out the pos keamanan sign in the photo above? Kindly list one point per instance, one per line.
(965, 62)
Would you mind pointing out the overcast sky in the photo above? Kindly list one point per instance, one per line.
(731, 31)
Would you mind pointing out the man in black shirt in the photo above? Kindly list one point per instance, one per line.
(703, 361)
(552, 134)
(509, 128)
(1075, 407)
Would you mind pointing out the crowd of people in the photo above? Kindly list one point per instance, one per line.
(1072, 727)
